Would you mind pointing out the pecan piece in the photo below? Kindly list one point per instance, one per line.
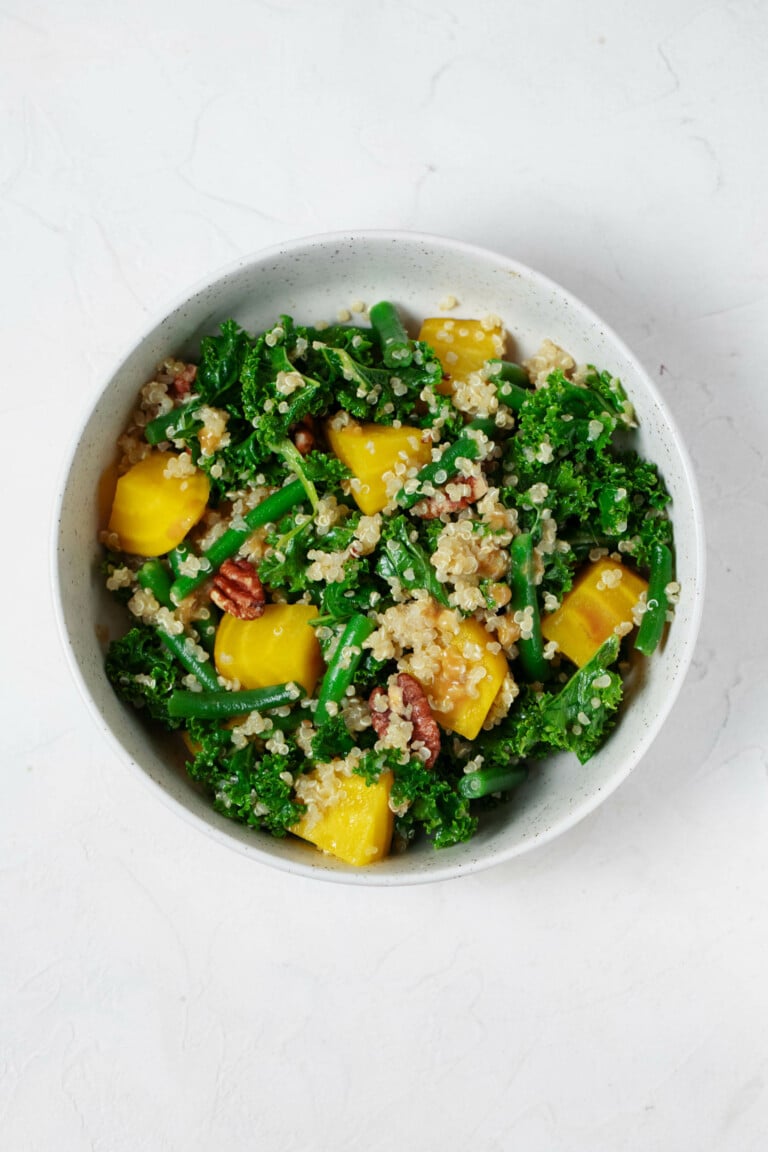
(380, 712)
(304, 436)
(466, 490)
(425, 726)
(183, 380)
(238, 590)
(408, 700)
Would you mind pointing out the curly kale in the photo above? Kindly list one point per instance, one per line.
(221, 362)
(144, 673)
(433, 804)
(564, 458)
(246, 785)
(291, 373)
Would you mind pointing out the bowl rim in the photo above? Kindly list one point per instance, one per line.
(371, 877)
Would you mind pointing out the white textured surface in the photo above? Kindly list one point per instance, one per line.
(606, 992)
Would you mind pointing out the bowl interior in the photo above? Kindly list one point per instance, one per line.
(311, 280)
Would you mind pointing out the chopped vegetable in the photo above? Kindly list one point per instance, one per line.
(657, 602)
(220, 705)
(228, 543)
(603, 601)
(370, 451)
(525, 601)
(356, 827)
(340, 673)
(486, 781)
(472, 670)
(156, 503)
(395, 345)
(276, 647)
(462, 346)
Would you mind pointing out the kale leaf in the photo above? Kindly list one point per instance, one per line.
(401, 558)
(576, 719)
(433, 803)
(144, 673)
(221, 361)
(246, 786)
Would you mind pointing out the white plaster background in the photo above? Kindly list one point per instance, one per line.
(606, 992)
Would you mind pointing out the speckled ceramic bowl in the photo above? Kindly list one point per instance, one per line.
(311, 279)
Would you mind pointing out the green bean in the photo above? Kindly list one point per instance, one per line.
(395, 345)
(653, 619)
(227, 544)
(512, 384)
(154, 576)
(524, 596)
(340, 673)
(512, 373)
(206, 629)
(180, 647)
(488, 780)
(439, 471)
(219, 705)
(177, 556)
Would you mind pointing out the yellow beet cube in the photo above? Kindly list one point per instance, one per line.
(462, 346)
(601, 599)
(356, 827)
(371, 450)
(461, 696)
(153, 507)
(276, 647)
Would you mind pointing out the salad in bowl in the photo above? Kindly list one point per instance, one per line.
(371, 577)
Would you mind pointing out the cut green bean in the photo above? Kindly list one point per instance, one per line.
(270, 510)
(181, 647)
(657, 602)
(395, 346)
(438, 472)
(206, 629)
(154, 576)
(525, 599)
(512, 384)
(340, 673)
(219, 705)
(512, 373)
(177, 557)
(486, 781)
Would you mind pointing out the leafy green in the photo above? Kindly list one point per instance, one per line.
(331, 739)
(246, 785)
(221, 361)
(596, 494)
(576, 719)
(402, 559)
(434, 804)
(357, 592)
(144, 673)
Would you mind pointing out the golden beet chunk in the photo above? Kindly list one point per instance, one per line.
(602, 599)
(462, 346)
(370, 451)
(272, 649)
(468, 680)
(156, 503)
(356, 826)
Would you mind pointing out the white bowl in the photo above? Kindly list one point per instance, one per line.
(311, 279)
